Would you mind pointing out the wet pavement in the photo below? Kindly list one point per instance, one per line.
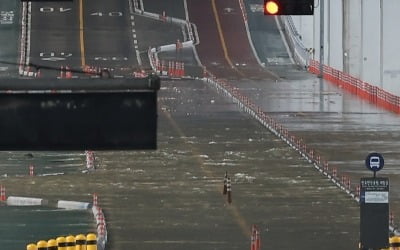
(172, 198)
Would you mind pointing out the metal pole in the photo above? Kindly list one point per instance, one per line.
(362, 41)
(321, 39)
(381, 44)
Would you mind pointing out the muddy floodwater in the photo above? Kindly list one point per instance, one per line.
(172, 198)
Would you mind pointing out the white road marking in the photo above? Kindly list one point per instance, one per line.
(135, 41)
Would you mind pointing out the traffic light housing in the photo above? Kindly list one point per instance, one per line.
(288, 7)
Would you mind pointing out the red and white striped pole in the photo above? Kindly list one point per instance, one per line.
(253, 238)
(95, 200)
(2, 193)
(229, 190)
(31, 168)
(89, 159)
(224, 191)
(258, 239)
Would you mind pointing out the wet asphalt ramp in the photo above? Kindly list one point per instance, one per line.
(172, 198)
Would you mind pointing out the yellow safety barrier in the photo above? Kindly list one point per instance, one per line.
(42, 245)
(62, 243)
(52, 244)
(70, 240)
(80, 241)
(394, 243)
(91, 242)
(31, 247)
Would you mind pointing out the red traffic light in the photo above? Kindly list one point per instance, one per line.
(288, 7)
(271, 7)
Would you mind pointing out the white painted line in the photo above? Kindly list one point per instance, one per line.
(138, 58)
(135, 42)
(132, 17)
(133, 23)
(134, 36)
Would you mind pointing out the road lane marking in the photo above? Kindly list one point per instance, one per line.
(135, 41)
(222, 38)
(81, 35)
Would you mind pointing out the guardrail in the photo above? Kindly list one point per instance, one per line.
(190, 27)
(300, 53)
(311, 155)
(365, 90)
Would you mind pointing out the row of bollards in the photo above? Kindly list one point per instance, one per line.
(227, 190)
(312, 156)
(79, 242)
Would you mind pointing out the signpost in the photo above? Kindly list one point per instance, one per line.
(374, 206)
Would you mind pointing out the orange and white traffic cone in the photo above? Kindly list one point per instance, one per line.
(224, 191)
(229, 190)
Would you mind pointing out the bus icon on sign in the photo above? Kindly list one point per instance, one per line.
(374, 162)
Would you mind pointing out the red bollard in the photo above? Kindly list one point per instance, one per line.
(2, 193)
(95, 200)
(62, 72)
(258, 239)
(68, 73)
(326, 166)
(31, 168)
(253, 238)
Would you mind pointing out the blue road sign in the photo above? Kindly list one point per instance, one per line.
(374, 162)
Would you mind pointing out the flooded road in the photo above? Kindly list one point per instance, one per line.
(172, 198)
(338, 125)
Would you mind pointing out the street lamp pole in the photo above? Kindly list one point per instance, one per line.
(321, 38)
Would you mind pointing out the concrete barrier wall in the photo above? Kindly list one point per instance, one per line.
(25, 201)
(361, 39)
